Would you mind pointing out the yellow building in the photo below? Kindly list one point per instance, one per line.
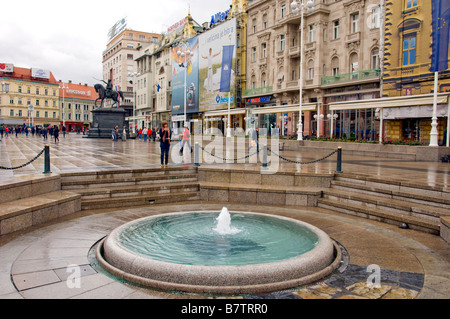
(407, 60)
(28, 96)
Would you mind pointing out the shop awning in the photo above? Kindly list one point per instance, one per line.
(285, 108)
(389, 102)
(224, 112)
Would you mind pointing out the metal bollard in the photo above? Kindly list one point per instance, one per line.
(47, 159)
(196, 154)
(264, 156)
(339, 160)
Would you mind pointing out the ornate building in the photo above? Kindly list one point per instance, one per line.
(341, 44)
(407, 71)
(28, 96)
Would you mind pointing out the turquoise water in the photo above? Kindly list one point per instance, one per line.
(190, 239)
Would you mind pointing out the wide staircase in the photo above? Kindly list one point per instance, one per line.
(421, 207)
(30, 200)
(132, 187)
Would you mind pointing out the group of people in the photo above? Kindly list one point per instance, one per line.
(147, 133)
(34, 130)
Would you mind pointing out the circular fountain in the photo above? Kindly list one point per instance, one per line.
(204, 252)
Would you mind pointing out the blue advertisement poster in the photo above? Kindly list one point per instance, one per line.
(215, 47)
(180, 65)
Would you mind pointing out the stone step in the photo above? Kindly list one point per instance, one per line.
(381, 215)
(127, 181)
(137, 190)
(410, 186)
(125, 173)
(119, 202)
(26, 212)
(260, 194)
(419, 197)
(428, 212)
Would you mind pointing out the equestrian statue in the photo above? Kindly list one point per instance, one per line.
(107, 93)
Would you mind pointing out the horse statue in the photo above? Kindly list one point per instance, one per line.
(107, 93)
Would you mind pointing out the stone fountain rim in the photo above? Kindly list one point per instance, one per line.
(313, 265)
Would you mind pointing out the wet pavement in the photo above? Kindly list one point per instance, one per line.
(36, 263)
(76, 153)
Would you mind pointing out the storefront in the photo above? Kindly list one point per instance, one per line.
(216, 121)
(404, 118)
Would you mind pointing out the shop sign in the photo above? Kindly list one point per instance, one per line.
(259, 99)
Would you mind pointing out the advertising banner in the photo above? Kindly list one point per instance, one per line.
(180, 66)
(6, 67)
(212, 46)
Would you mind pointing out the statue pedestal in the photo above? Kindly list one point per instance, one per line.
(104, 120)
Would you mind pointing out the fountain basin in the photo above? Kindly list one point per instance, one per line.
(239, 277)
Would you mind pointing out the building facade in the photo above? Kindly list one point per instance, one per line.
(340, 62)
(76, 101)
(28, 97)
(119, 63)
(407, 71)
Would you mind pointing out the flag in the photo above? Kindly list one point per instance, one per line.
(441, 28)
(225, 74)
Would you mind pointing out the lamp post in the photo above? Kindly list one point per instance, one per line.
(332, 117)
(63, 104)
(134, 74)
(295, 9)
(184, 54)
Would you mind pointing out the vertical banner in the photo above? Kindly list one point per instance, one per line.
(227, 62)
(214, 49)
(180, 66)
(441, 34)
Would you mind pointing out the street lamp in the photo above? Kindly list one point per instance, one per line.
(332, 117)
(295, 9)
(185, 54)
(63, 104)
(134, 74)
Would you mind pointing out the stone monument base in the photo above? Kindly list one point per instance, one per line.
(104, 121)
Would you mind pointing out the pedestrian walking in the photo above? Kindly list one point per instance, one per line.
(44, 133)
(166, 135)
(154, 134)
(56, 133)
(149, 133)
(185, 139)
(124, 134)
(144, 133)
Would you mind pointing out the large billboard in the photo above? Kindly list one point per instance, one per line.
(215, 47)
(185, 65)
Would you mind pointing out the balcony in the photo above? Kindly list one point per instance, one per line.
(349, 77)
(258, 91)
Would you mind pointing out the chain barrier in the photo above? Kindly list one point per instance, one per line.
(23, 165)
(234, 159)
(303, 163)
(280, 156)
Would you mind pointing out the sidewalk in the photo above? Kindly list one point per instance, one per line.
(75, 153)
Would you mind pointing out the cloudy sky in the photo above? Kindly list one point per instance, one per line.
(68, 38)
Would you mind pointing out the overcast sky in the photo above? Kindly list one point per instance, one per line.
(68, 38)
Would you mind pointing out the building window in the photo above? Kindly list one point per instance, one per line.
(282, 42)
(310, 70)
(409, 50)
(411, 3)
(46, 114)
(20, 89)
(375, 59)
(376, 17)
(37, 91)
(336, 29)
(283, 11)
(253, 54)
(263, 50)
(311, 34)
(355, 23)
(11, 112)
